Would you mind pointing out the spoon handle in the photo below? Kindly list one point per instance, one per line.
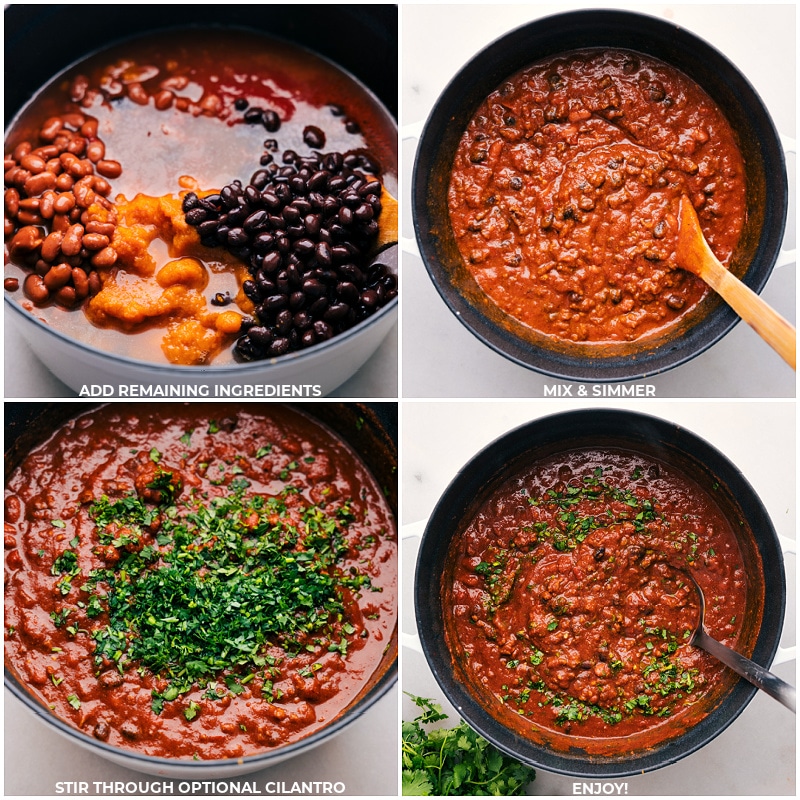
(770, 325)
(755, 673)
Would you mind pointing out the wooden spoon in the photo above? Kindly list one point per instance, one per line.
(387, 221)
(694, 255)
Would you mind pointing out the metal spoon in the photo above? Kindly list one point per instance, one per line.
(749, 670)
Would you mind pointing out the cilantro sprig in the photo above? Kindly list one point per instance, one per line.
(455, 761)
(224, 581)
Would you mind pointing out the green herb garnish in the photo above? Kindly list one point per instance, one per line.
(455, 761)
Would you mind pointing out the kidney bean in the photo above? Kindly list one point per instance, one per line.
(22, 150)
(89, 128)
(64, 182)
(47, 204)
(77, 89)
(33, 163)
(11, 199)
(50, 128)
(17, 176)
(83, 192)
(95, 151)
(95, 241)
(163, 99)
(26, 240)
(57, 276)
(106, 257)
(109, 169)
(77, 146)
(104, 228)
(72, 242)
(95, 284)
(41, 182)
(35, 290)
(64, 203)
(51, 246)
(101, 185)
(138, 94)
(80, 280)
(65, 296)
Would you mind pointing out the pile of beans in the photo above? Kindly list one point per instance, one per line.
(58, 219)
(306, 230)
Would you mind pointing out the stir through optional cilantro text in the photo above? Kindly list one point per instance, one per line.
(207, 586)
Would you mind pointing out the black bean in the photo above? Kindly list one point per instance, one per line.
(364, 213)
(272, 122)
(195, 215)
(251, 290)
(190, 201)
(237, 237)
(279, 346)
(302, 320)
(283, 321)
(304, 247)
(256, 221)
(336, 312)
(318, 307)
(260, 335)
(263, 242)
(322, 329)
(314, 136)
(271, 262)
(276, 302)
(254, 115)
(369, 298)
(347, 292)
(271, 201)
(240, 104)
(207, 228)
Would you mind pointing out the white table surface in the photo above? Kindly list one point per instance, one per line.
(756, 754)
(440, 357)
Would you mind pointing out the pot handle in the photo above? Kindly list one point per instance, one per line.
(412, 131)
(413, 530)
(786, 654)
(789, 255)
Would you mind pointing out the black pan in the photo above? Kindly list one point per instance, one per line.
(767, 192)
(658, 439)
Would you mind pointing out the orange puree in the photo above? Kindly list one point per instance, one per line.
(137, 293)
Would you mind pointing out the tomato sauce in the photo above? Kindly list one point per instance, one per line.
(572, 610)
(564, 194)
(245, 512)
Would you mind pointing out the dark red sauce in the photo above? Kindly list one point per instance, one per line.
(293, 495)
(565, 188)
(571, 606)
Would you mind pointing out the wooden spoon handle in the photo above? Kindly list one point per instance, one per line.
(694, 254)
(764, 320)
